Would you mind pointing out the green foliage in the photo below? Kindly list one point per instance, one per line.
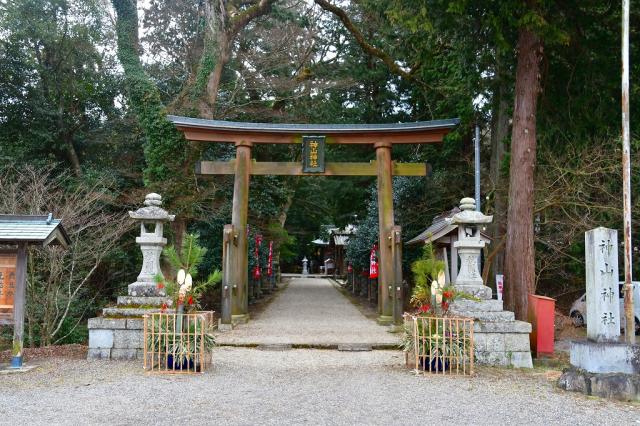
(188, 259)
(426, 270)
(190, 256)
(57, 85)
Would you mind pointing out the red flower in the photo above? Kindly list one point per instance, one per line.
(445, 305)
(425, 308)
(190, 300)
(160, 285)
(447, 294)
(163, 307)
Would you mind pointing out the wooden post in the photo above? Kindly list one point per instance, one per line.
(454, 260)
(629, 331)
(397, 295)
(386, 275)
(18, 306)
(228, 256)
(240, 301)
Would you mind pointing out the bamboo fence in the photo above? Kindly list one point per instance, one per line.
(177, 343)
(440, 345)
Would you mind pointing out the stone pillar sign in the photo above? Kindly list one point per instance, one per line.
(603, 295)
(602, 365)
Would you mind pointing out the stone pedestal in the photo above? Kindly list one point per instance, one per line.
(115, 338)
(620, 386)
(597, 357)
(499, 339)
(118, 333)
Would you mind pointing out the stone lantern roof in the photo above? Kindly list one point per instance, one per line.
(468, 214)
(152, 210)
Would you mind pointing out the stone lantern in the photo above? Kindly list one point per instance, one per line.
(305, 267)
(469, 246)
(152, 218)
(500, 340)
(119, 332)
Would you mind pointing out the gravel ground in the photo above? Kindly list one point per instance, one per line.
(251, 386)
(310, 311)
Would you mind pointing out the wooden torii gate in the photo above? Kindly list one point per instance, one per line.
(245, 135)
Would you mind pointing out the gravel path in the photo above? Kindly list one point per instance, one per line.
(255, 387)
(310, 311)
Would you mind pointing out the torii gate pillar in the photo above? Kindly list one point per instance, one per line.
(387, 276)
(240, 274)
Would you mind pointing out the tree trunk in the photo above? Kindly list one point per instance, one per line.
(73, 156)
(179, 230)
(519, 259)
(213, 84)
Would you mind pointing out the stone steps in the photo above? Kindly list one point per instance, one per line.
(503, 343)
(481, 305)
(499, 339)
(142, 289)
(137, 301)
(485, 315)
(119, 312)
(502, 327)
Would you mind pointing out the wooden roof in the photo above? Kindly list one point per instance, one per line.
(440, 227)
(32, 229)
(197, 129)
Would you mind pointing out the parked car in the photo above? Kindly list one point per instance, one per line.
(578, 311)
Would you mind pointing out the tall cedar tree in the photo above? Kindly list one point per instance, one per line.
(520, 252)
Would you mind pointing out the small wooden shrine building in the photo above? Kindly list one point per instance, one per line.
(16, 233)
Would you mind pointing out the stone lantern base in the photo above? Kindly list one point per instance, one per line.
(499, 339)
(118, 333)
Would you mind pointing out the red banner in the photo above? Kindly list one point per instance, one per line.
(373, 263)
(256, 270)
(270, 264)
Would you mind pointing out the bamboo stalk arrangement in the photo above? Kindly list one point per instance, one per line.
(439, 345)
(178, 343)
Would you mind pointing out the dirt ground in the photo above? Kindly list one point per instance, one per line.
(48, 352)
